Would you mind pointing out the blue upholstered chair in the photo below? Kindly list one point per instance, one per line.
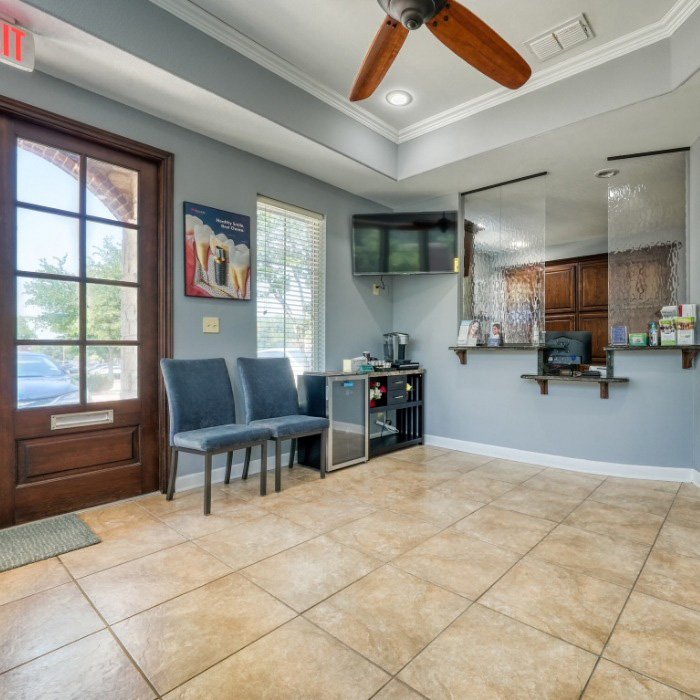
(270, 400)
(203, 419)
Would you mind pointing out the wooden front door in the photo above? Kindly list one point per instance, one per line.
(81, 322)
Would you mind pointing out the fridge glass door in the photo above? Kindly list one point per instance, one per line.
(348, 411)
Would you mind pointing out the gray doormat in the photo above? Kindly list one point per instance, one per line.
(24, 544)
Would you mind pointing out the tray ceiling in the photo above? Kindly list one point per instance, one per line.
(325, 41)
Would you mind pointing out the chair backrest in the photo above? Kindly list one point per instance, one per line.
(199, 394)
(267, 387)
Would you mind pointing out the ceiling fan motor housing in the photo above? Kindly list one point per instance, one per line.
(413, 14)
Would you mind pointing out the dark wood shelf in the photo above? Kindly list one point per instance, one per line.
(604, 382)
(462, 350)
(688, 352)
(390, 443)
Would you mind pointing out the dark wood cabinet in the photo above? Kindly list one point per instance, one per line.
(576, 299)
(560, 285)
(597, 323)
(566, 322)
(593, 285)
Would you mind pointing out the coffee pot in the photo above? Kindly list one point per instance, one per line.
(395, 346)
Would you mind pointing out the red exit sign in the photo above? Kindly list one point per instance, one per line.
(16, 46)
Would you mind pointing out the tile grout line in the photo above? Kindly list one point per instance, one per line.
(557, 523)
(380, 562)
(114, 635)
(629, 595)
(232, 571)
(279, 600)
(106, 627)
(114, 566)
(43, 590)
(502, 576)
(391, 562)
(302, 615)
(526, 624)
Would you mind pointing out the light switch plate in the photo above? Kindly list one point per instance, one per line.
(210, 324)
(376, 289)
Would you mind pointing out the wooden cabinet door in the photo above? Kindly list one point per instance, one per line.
(564, 323)
(597, 323)
(593, 285)
(560, 289)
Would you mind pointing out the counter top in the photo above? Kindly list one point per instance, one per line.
(378, 373)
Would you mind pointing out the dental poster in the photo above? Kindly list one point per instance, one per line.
(217, 253)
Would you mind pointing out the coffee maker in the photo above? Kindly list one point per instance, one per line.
(395, 350)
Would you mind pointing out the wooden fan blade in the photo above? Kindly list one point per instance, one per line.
(474, 41)
(384, 49)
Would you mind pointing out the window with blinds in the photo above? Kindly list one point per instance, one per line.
(291, 284)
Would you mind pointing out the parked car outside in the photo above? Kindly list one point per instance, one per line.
(41, 382)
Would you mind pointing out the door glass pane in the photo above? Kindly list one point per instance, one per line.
(47, 309)
(47, 243)
(349, 398)
(112, 191)
(112, 312)
(48, 176)
(47, 375)
(112, 252)
(112, 373)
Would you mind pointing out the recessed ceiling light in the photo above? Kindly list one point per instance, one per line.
(607, 173)
(399, 98)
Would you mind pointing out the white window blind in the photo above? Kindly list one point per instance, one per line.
(291, 284)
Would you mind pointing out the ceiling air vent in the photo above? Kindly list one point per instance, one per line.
(562, 38)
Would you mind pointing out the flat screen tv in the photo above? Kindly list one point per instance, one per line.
(404, 244)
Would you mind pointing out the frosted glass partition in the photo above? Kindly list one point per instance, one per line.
(647, 238)
(504, 259)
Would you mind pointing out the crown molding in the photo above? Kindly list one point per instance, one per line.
(216, 28)
(616, 48)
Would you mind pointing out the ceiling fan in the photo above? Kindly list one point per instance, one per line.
(456, 27)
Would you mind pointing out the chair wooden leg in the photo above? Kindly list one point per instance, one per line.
(246, 463)
(229, 464)
(292, 450)
(263, 468)
(207, 484)
(322, 461)
(278, 465)
(173, 473)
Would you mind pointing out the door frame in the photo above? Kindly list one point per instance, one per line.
(164, 163)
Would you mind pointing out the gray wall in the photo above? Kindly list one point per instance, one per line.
(649, 422)
(144, 30)
(694, 273)
(652, 421)
(210, 173)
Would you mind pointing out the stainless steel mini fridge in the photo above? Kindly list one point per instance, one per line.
(343, 399)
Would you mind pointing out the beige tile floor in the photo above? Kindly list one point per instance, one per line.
(430, 574)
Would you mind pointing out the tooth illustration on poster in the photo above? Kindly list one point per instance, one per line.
(217, 253)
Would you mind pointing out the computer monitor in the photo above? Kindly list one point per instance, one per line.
(568, 347)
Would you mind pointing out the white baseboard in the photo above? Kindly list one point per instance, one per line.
(632, 471)
(196, 479)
